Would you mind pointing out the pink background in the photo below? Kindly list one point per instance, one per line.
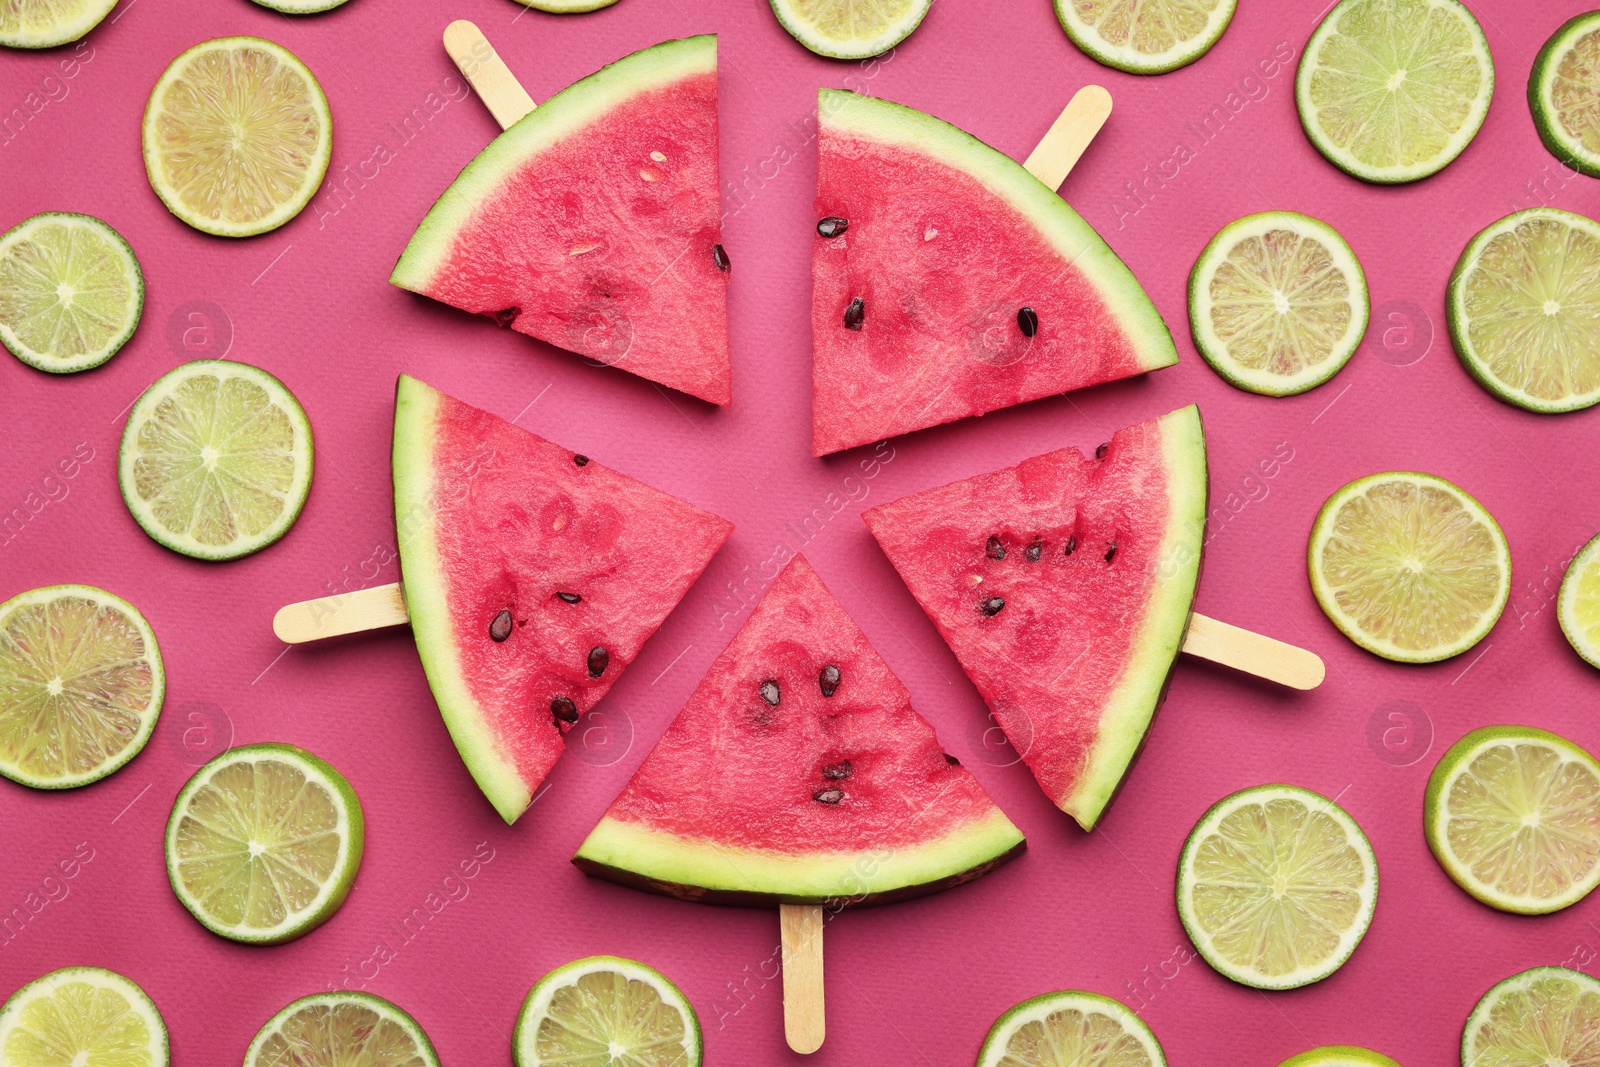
(915, 983)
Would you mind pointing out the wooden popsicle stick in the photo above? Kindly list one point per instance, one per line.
(1055, 156)
(487, 73)
(1253, 653)
(804, 1023)
(372, 608)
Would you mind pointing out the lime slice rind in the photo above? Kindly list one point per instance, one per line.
(1270, 288)
(1578, 602)
(654, 1022)
(849, 29)
(60, 25)
(1523, 306)
(1198, 32)
(66, 332)
(1339, 72)
(282, 1040)
(1071, 1026)
(1339, 1056)
(83, 1025)
(1543, 1015)
(1575, 77)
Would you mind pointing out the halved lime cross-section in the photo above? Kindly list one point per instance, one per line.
(1564, 93)
(849, 29)
(71, 291)
(343, 1029)
(1145, 36)
(1539, 1018)
(47, 23)
(82, 1017)
(606, 1010)
(1578, 604)
(1070, 1029)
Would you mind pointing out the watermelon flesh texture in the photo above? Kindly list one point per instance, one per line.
(594, 224)
(845, 799)
(1070, 649)
(947, 242)
(493, 519)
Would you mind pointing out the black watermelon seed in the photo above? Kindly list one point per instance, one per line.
(581, 460)
(1035, 550)
(1112, 551)
(505, 316)
(599, 660)
(1072, 544)
(1100, 453)
(993, 605)
(769, 692)
(951, 760)
(719, 256)
(828, 679)
(564, 709)
(1028, 322)
(570, 598)
(994, 549)
(855, 314)
(500, 628)
(838, 771)
(833, 226)
(828, 796)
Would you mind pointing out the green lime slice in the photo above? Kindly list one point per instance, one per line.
(302, 7)
(1276, 886)
(1512, 814)
(216, 459)
(1070, 1029)
(1543, 1016)
(47, 23)
(237, 136)
(850, 29)
(1393, 90)
(606, 1010)
(1277, 303)
(1564, 93)
(1339, 1056)
(82, 1017)
(1578, 603)
(263, 843)
(1524, 309)
(566, 7)
(1409, 566)
(71, 291)
(1145, 36)
(334, 1029)
(81, 685)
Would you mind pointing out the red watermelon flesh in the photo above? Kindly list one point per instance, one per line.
(946, 243)
(532, 576)
(594, 224)
(1064, 585)
(799, 771)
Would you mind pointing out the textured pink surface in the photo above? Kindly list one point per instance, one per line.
(916, 983)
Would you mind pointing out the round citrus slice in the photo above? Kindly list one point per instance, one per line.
(82, 1017)
(71, 291)
(1543, 1016)
(1339, 1056)
(1393, 90)
(1276, 886)
(566, 7)
(1578, 603)
(216, 459)
(1409, 566)
(605, 1009)
(850, 29)
(81, 684)
(263, 843)
(1524, 309)
(1145, 36)
(237, 136)
(1070, 1029)
(47, 23)
(332, 1029)
(303, 7)
(1277, 303)
(1512, 814)
(1564, 93)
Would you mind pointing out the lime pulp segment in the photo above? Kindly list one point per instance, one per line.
(1070, 1029)
(1543, 1016)
(71, 291)
(603, 1010)
(1145, 36)
(849, 29)
(1578, 603)
(334, 1029)
(1564, 93)
(48, 23)
(82, 1017)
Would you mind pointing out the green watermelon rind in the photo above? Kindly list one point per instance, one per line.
(1072, 237)
(427, 601)
(565, 113)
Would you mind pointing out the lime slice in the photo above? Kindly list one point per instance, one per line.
(1393, 90)
(1543, 1016)
(81, 684)
(850, 29)
(1145, 36)
(1276, 886)
(1524, 309)
(1410, 567)
(334, 1029)
(1564, 93)
(1339, 1056)
(302, 7)
(237, 136)
(263, 843)
(1277, 303)
(1513, 816)
(1070, 1029)
(1578, 604)
(82, 1017)
(71, 291)
(47, 23)
(564, 7)
(606, 1010)
(216, 460)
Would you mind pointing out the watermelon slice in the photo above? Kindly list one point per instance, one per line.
(532, 576)
(798, 772)
(594, 223)
(1063, 585)
(957, 283)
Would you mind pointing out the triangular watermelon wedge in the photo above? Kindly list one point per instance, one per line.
(799, 772)
(1064, 585)
(595, 223)
(532, 576)
(959, 284)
